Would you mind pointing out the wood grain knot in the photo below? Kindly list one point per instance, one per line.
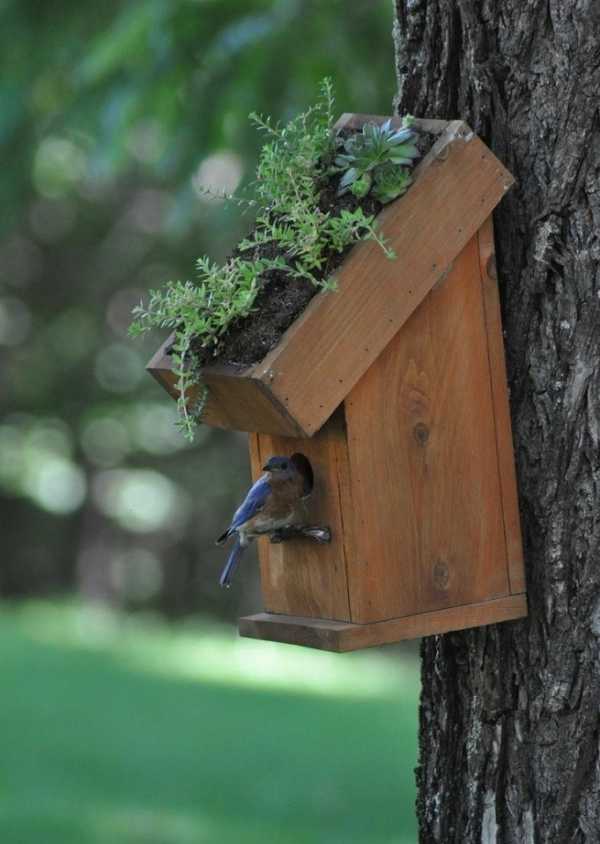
(441, 575)
(421, 433)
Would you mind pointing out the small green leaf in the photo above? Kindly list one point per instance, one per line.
(362, 186)
(350, 176)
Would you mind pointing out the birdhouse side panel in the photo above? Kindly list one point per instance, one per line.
(242, 403)
(506, 457)
(299, 576)
(423, 461)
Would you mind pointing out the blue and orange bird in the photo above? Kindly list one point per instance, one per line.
(272, 503)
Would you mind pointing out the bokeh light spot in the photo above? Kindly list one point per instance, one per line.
(120, 306)
(119, 368)
(56, 484)
(58, 165)
(72, 334)
(51, 436)
(140, 500)
(35, 462)
(147, 141)
(218, 173)
(105, 441)
(155, 430)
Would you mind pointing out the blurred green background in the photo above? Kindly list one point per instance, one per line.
(127, 715)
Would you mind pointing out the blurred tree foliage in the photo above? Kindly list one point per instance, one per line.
(112, 116)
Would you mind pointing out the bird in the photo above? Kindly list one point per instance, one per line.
(274, 501)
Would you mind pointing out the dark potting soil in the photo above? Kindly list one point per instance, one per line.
(282, 299)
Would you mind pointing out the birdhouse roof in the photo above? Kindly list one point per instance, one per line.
(321, 357)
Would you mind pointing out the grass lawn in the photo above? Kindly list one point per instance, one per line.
(123, 731)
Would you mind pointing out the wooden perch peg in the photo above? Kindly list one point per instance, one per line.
(322, 535)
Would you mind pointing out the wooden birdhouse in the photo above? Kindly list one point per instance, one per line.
(394, 388)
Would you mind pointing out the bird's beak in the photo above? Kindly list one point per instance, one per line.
(265, 468)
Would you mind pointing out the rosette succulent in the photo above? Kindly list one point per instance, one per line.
(377, 161)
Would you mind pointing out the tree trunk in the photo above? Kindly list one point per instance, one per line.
(510, 714)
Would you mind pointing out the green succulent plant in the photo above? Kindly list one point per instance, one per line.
(376, 161)
(390, 182)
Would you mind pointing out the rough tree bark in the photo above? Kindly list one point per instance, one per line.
(510, 714)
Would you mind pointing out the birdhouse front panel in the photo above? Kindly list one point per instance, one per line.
(300, 578)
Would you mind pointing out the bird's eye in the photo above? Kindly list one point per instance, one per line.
(284, 465)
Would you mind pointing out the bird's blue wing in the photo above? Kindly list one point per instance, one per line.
(252, 503)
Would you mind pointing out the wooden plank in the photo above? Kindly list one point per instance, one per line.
(244, 403)
(159, 367)
(301, 577)
(506, 459)
(340, 637)
(236, 401)
(255, 461)
(339, 336)
(422, 444)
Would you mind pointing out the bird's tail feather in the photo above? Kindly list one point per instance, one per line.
(223, 537)
(236, 553)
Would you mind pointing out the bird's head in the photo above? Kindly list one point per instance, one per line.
(277, 465)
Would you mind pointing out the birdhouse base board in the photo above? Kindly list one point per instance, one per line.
(341, 636)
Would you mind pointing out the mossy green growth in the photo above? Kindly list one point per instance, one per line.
(295, 164)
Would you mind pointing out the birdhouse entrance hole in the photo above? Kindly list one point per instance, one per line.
(302, 463)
